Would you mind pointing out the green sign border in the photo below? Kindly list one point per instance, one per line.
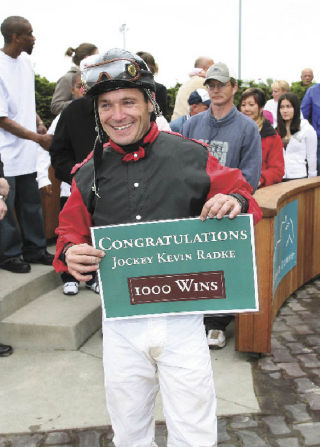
(240, 277)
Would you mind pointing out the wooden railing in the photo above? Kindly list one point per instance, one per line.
(253, 331)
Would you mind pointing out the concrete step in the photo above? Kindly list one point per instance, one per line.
(54, 321)
(19, 289)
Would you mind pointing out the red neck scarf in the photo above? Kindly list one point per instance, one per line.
(141, 152)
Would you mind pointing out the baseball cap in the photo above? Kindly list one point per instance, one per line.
(198, 96)
(219, 72)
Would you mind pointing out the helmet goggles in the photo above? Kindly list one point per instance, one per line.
(112, 72)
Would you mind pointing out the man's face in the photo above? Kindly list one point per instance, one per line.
(26, 39)
(306, 77)
(220, 93)
(197, 108)
(124, 115)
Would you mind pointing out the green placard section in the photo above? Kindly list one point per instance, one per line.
(177, 266)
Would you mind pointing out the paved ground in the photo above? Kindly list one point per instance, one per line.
(287, 385)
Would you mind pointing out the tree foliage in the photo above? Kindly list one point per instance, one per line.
(44, 92)
(243, 85)
(298, 89)
(171, 93)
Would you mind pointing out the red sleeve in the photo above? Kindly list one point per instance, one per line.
(74, 225)
(225, 180)
(272, 161)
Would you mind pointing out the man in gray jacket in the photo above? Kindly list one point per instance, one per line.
(234, 140)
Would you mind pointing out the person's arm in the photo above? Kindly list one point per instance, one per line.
(74, 252)
(41, 128)
(3, 206)
(225, 183)
(4, 187)
(306, 105)
(82, 260)
(19, 131)
(273, 167)
(220, 205)
(311, 151)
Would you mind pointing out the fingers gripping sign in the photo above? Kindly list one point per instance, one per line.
(82, 260)
(220, 205)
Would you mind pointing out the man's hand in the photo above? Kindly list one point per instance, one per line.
(3, 208)
(82, 259)
(47, 190)
(44, 140)
(4, 187)
(41, 128)
(220, 205)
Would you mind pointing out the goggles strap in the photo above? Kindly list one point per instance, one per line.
(156, 108)
(98, 148)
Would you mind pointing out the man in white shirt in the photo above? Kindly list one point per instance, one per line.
(20, 131)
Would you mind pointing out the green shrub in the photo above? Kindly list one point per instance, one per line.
(243, 85)
(299, 89)
(44, 92)
(172, 93)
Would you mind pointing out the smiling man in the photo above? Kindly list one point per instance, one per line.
(124, 115)
(138, 174)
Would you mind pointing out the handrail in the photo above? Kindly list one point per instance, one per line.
(253, 331)
(271, 197)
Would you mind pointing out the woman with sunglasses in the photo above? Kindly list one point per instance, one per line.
(251, 104)
(299, 139)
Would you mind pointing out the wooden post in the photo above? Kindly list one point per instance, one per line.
(51, 206)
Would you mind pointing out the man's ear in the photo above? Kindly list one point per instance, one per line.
(235, 89)
(150, 107)
(14, 37)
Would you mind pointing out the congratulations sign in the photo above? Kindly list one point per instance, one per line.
(177, 266)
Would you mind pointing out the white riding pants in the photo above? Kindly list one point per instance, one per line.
(142, 354)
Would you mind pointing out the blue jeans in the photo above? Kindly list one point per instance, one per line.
(22, 229)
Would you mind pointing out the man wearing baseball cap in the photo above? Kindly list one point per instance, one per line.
(138, 174)
(198, 101)
(234, 140)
